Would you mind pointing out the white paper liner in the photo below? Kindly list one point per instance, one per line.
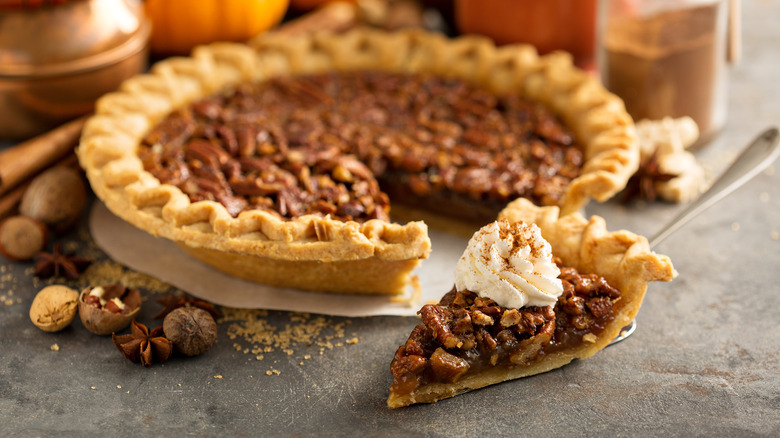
(165, 261)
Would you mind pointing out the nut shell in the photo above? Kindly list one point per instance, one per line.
(54, 308)
(56, 197)
(192, 330)
(100, 321)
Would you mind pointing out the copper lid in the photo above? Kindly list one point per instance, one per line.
(50, 37)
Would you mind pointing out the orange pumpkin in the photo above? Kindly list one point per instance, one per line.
(180, 25)
(547, 24)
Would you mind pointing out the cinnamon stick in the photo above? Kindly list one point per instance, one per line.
(10, 200)
(20, 162)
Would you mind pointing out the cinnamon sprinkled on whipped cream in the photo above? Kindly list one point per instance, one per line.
(510, 264)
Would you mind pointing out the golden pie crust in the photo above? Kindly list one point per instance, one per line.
(372, 257)
(623, 258)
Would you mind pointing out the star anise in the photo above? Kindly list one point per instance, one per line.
(642, 183)
(172, 302)
(59, 264)
(144, 346)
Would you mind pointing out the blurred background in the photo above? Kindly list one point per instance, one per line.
(665, 58)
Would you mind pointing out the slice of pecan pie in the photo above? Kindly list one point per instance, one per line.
(273, 162)
(522, 306)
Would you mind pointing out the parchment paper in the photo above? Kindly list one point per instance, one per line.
(164, 260)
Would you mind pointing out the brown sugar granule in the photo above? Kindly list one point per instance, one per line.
(252, 326)
(109, 272)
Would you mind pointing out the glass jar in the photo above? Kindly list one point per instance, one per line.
(667, 58)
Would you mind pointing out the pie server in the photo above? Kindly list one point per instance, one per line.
(756, 157)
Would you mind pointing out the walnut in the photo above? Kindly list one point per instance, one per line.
(54, 308)
(192, 330)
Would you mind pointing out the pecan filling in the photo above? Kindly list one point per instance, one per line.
(318, 144)
(467, 333)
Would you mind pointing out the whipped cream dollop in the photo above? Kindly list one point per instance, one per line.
(510, 264)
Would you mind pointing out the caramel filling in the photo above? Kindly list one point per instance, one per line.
(465, 333)
(324, 144)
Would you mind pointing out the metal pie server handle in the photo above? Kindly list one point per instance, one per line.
(756, 157)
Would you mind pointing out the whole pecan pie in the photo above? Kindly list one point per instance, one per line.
(469, 341)
(276, 161)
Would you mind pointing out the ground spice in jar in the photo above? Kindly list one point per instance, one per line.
(668, 63)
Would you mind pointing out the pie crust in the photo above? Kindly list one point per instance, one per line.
(621, 257)
(372, 257)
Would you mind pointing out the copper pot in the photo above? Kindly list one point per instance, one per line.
(58, 56)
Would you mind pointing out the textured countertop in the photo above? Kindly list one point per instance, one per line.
(704, 361)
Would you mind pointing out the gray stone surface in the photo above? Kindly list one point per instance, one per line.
(703, 362)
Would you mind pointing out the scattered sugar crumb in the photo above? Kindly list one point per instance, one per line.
(307, 356)
(54, 347)
(735, 226)
(253, 327)
(118, 386)
(92, 388)
(218, 376)
(179, 384)
(352, 341)
(109, 271)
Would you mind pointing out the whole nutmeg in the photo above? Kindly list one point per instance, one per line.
(54, 308)
(22, 237)
(192, 330)
(56, 197)
(110, 308)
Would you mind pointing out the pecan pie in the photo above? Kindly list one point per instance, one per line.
(273, 161)
(468, 341)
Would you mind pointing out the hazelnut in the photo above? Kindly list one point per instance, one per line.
(192, 330)
(22, 237)
(54, 308)
(107, 309)
(56, 197)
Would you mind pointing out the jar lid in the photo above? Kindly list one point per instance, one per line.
(45, 37)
